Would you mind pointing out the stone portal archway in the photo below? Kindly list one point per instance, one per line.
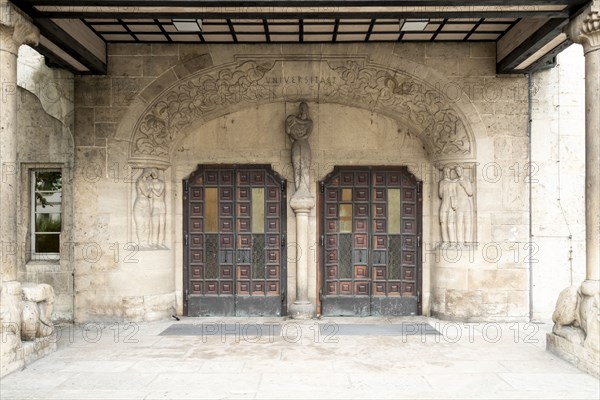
(179, 101)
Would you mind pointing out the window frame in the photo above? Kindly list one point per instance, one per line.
(34, 255)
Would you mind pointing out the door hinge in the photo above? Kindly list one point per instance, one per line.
(185, 239)
(322, 187)
(186, 186)
(419, 241)
(418, 297)
(322, 240)
(283, 297)
(186, 295)
(283, 186)
(321, 294)
(283, 240)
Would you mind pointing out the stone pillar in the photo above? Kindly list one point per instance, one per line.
(15, 30)
(590, 39)
(576, 332)
(586, 31)
(302, 308)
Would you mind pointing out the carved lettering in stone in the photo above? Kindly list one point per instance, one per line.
(298, 128)
(456, 208)
(149, 209)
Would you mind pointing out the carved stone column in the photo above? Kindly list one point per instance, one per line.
(15, 30)
(588, 34)
(298, 128)
(302, 308)
(576, 332)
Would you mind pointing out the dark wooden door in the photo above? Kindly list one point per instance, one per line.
(234, 241)
(371, 230)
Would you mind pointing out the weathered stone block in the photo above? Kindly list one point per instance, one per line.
(129, 49)
(164, 49)
(156, 65)
(125, 65)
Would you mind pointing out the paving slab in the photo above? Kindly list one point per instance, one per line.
(368, 358)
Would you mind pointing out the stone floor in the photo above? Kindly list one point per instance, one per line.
(133, 361)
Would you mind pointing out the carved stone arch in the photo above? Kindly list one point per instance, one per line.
(416, 99)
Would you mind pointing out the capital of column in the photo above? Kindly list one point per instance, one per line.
(585, 29)
(302, 202)
(15, 29)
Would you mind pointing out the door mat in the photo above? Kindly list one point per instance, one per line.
(405, 329)
(276, 329)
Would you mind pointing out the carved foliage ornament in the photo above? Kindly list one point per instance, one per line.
(373, 87)
(423, 106)
(194, 98)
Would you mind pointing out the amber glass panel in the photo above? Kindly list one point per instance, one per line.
(393, 211)
(345, 218)
(258, 210)
(346, 194)
(211, 210)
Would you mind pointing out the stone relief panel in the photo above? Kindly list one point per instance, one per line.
(456, 190)
(150, 209)
(192, 99)
(377, 87)
(213, 92)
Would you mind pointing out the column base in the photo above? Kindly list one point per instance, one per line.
(584, 358)
(301, 310)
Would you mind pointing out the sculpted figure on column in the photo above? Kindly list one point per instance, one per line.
(298, 128)
(464, 207)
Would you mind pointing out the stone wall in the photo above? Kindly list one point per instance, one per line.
(482, 124)
(558, 157)
(45, 123)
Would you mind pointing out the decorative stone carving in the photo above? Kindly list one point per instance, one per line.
(149, 209)
(456, 208)
(423, 105)
(191, 99)
(10, 321)
(576, 316)
(36, 311)
(298, 128)
(25, 317)
(15, 29)
(447, 193)
(212, 92)
(464, 207)
(587, 32)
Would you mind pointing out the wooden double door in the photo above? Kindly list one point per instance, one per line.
(234, 241)
(371, 239)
